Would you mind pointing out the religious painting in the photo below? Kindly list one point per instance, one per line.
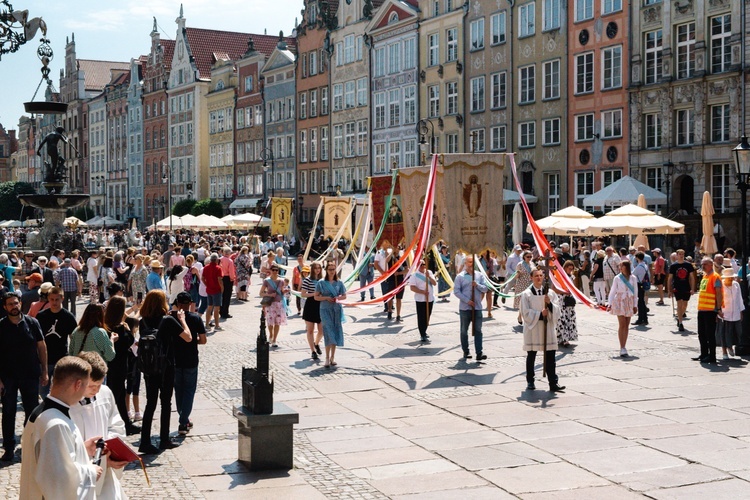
(281, 211)
(413, 183)
(337, 215)
(381, 207)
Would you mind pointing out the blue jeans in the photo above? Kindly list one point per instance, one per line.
(465, 317)
(185, 384)
(203, 304)
(29, 389)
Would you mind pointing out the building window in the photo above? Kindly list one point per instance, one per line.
(338, 141)
(451, 92)
(722, 179)
(553, 193)
(433, 49)
(685, 127)
(451, 143)
(551, 132)
(584, 9)
(497, 28)
(348, 49)
(477, 140)
(324, 101)
(410, 53)
(394, 154)
(498, 138)
(394, 58)
(380, 110)
(720, 123)
(323, 143)
(527, 135)
(551, 14)
(654, 177)
(612, 67)
(527, 87)
(313, 103)
(313, 59)
(350, 144)
(552, 79)
(380, 158)
(303, 105)
(610, 177)
(585, 73)
(721, 30)
(362, 92)
(433, 95)
(653, 56)
(379, 62)
(362, 138)
(526, 26)
(410, 153)
(612, 124)
(611, 6)
(584, 187)
(653, 131)
(313, 144)
(451, 37)
(303, 146)
(338, 97)
(249, 83)
(498, 82)
(477, 94)
(476, 30)
(685, 50)
(349, 94)
(394, 108)
(585, 127)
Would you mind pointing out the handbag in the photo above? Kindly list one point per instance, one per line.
(569, 301)
(266, 301)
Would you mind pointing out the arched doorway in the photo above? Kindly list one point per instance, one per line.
(684, 194)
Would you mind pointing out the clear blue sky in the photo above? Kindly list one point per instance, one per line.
(118, 31)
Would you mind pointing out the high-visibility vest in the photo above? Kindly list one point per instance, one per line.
(707, 292)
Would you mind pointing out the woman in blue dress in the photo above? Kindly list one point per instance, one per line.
(329, 291)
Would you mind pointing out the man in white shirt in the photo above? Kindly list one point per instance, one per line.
(56, 460)
(381, 264)
(511, 264)
(422, 283)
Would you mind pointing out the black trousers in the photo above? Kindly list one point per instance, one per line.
(642, 318)
(549, 356)
(161, 388)
(29, 388)
(69, 301)
(116, 383)
(707, 334)
(226, 296)
(423, 316)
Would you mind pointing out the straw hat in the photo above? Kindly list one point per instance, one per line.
(728, 272)
(155, 264)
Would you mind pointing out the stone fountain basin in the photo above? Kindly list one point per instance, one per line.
(53, 201)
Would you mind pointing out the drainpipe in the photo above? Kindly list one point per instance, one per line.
(510, 128)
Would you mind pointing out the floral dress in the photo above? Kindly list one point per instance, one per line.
(566, 323)
(276, 312)
(138, 281)
(523, 280)
(242, 264)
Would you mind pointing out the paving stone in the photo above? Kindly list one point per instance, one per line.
(592, 493)
(669, 478)
(480, 493)
(542, 478)
(372, 458)
(557, 429)
(426, 483)
(623, 461)
(414, 468)
(730, 488)
(458, 440)
(582, 443)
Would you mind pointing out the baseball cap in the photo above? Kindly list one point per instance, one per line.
(517, 247)
(183, 298)
(656, 250)
(35, 277)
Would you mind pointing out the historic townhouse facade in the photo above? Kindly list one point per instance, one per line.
(96, 112)
(116, 97)
(278, 155)
(686, 100)
(220, 104)
(538, 30)
(394, 37)
(135, 140)
(21, 158)
(313, 103)
(350, 99)
(8, 145)
(156, 71)
(597, 95)
(248, 130)
(442, 65)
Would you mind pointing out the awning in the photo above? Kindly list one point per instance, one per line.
(244, 203)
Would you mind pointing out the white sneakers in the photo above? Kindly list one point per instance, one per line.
(623, 353)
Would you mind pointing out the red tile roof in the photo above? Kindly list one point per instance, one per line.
(168, 46)
(205, 43)
(98, 73)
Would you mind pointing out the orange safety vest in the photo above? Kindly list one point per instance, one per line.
(707, 292)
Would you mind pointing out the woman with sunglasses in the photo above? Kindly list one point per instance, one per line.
(274, 287)
(422, 283)
(311, 310)
(523, 280)
(329, 291)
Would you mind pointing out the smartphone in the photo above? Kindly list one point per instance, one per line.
(140, 296)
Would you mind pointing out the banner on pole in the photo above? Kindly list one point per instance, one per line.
(336, 211)
(473, 187)
(413, 184)
(281, 215)
(393, 232)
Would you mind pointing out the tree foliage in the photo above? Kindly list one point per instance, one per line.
(183, 207)
(209, 207)
(84, 213)
(10, 207)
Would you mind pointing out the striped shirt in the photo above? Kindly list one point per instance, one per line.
(308, 285)
(97, 341)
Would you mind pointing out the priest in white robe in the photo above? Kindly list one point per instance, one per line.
(56, 461)
(536, 306)
(97, 415)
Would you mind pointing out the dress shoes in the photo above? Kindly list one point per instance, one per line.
(557, 388)
(467, 355)
(149, 449)
(8, 456)
(132, 430)
(168, 445)
(481, 357)
(530, 386)
(699, 358)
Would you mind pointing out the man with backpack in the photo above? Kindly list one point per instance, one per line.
(644, 285)
(186, 362)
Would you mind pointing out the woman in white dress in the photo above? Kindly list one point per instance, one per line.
(623, 302)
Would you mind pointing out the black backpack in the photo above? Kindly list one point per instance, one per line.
(152, 355)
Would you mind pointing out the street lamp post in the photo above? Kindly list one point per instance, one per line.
(266, 154)
(742, 162)
(423, 127)
(167, 179)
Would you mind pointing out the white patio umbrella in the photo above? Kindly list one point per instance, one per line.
(74, 221)
(632, 219)
(517, 224)
(249, 221)
(625, 190)
(164, 223)
(570, 221)
(641, 239)
(708, 242)
(511, 197)
(205, 221)
(12, 223)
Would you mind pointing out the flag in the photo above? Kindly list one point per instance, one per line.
(281, 215)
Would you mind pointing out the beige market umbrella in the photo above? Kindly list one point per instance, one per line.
(632, 219)
(517, 224)
(205, 221)
(708, 242)
(641, 239)
(74, 221)
(570, 221)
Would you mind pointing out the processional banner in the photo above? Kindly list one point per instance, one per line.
(281, 215)
(394, 222)
(413, 184)
(473, 186)
(336, 214)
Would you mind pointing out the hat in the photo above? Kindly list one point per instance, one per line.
(656, 250)
(66, 261)
(155, 264)
(46, 287)
(517, 248)
(34, 276)
(728, 272)
(706, 260)
(305, 269)
(29, 252)
(183, 298)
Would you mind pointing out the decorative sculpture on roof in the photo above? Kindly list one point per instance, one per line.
(367, 9)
